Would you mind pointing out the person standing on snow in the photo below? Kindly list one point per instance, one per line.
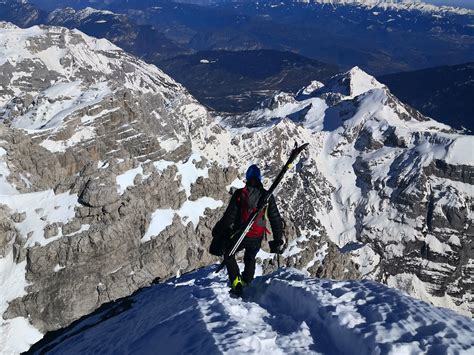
(242, 204)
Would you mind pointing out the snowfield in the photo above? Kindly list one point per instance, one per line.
(281, 313)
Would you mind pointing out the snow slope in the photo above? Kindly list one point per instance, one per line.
(281, 313)
(79, 73)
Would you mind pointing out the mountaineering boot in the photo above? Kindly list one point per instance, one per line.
(237, 286)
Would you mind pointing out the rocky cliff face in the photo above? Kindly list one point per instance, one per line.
(90, 139)
(112, 176)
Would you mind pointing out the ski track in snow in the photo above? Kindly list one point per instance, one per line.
(281, 313)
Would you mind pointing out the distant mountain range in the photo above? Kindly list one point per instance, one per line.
(21, 13)
(420, 5)
(141, 40)
(240, 81)
(382, 38)
(175, 31)
(429, 5)
(468, 4)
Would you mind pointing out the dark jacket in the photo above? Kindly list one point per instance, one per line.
(230, 222)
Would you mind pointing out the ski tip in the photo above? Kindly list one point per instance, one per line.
(302, 147)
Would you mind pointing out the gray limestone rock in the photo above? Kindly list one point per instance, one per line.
(99, 193)
(8, 232)
(51, 230)
(71, 227)
(18, 217)
(336, 265)
(462, 173)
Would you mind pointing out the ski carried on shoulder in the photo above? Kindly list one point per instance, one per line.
(264, 202)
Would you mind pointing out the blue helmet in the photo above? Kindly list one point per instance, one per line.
(253, 172)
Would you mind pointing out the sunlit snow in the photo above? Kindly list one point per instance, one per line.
(16, 335)
(47, 208)
(190, 211)
(281, 313)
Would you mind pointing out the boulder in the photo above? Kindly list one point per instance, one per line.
(18, 217)
(99, 193)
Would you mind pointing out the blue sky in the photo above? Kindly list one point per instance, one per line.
(461, 3)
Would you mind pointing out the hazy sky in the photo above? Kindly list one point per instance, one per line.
(461, 3)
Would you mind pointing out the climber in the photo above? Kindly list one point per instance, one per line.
(243, 202)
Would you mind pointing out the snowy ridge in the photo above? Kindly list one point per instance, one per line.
(77, 15)
(409, 5)
(281, 313)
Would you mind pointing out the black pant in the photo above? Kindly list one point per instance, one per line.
(251, 246)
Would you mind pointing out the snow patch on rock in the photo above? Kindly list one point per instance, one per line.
(48, 208)
(17, 334)
(190, 211)
(82, 135)
(461, 152)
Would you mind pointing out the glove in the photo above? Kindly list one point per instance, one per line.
(277, 246)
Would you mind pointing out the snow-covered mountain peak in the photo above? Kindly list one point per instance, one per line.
(78, 70)
(53, 47)
(347, 100)
(69, 14)
(408, 5)
(82, 122)
(381, 157)
(90, 10)
(353, 83)
(309, 89)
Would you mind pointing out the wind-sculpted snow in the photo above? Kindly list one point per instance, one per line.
(281, 313)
